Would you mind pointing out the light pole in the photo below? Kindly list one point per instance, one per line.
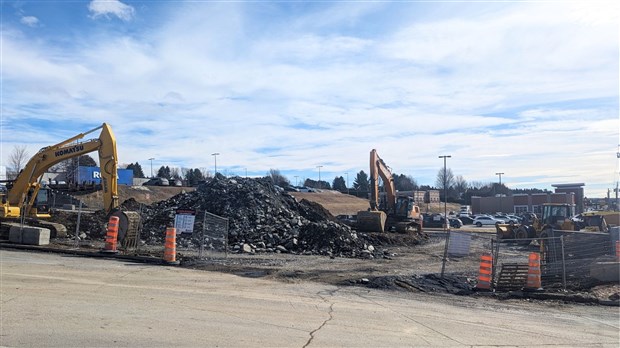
(500, 194)
(445, 215)
(151, 159)
(347, 182)
(319, 175)
(296, 176)
(215, 157)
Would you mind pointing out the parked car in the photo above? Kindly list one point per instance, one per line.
(437, 221)
(507, 219)
(486, 220)
(466, 220)
(157, 182)
(305, 189)
(291, 188)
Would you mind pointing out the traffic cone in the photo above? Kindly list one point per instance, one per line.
(111, 237)
(484, 276)
(533, 273)
(170, 246)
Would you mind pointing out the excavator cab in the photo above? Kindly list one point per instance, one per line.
(557, 216)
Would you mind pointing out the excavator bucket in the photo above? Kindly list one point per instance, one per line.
(371, 221)
(128, 229)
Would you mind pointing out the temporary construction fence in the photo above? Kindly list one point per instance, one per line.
(201, 233)
(568, 259)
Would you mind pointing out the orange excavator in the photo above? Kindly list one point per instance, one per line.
(398, 213)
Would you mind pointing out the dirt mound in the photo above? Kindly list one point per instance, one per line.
(261, 218)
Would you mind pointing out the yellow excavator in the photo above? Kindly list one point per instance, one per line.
(28, 200)
(397, 213)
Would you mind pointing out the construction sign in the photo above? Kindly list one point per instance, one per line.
(184, 221)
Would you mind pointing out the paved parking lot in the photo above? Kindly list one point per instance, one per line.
(63, 301)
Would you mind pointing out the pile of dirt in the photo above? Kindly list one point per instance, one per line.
(261, 218)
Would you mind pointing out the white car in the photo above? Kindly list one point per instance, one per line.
(486, 220)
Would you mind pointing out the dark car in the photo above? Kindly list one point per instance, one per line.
(466, 220)
(437, 221)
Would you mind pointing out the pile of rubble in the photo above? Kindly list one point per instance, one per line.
(261, 218)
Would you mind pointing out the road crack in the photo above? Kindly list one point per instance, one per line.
(330, 313)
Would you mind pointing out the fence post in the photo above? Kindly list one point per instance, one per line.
(563, 263)
(77, 227)
(202, 237)
(445, 253)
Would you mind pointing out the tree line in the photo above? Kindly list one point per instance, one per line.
(457, 189)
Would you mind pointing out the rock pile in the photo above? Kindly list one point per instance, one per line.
(262, 218)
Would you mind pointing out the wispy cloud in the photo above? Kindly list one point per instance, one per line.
(107, 8)
(521, 88)
(30, 21)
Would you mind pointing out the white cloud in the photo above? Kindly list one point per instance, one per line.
(30, 21)
(495, 92)
(105, 8)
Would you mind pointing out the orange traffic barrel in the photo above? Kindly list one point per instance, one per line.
(486, 269)
(170, 246)
(111, 237)
(533, 272)
(618, 250)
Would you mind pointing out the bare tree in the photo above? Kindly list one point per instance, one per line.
(448, 177)
(460, 185)
(17, 160)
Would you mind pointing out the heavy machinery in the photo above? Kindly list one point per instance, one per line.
(554, 216)
(27, 199)
(394, 212)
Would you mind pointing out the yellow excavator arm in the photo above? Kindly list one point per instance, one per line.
(25, 187)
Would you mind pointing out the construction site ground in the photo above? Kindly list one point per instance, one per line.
(407, 265)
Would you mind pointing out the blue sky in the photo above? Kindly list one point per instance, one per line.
(530, 89)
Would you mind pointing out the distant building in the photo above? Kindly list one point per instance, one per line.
(519, 203)
(577, 190)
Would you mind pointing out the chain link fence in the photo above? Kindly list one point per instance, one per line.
(569, 260)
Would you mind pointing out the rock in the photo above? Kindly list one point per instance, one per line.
(247, 248)
(281, 249)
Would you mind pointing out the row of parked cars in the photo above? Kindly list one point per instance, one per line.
(437, 220)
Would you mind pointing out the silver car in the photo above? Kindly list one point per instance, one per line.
(486, 220)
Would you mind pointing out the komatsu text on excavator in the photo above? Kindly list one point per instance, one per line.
(27, 199)
(398, 213)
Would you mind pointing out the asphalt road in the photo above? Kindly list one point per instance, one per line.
(50, 300)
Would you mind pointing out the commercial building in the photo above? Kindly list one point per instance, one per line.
(519, 203)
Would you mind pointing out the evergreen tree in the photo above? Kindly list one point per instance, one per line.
(361, 182)
(339, 184)
(137, 170)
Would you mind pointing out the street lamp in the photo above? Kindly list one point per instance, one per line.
(319, 175)
(151, 159)
(500, 187)
(347, 182)
(445, 214)
(215, 157)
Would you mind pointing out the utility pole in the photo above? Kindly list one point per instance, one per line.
(347, 182)
(445, 216)
(296, 176)
(319, 175)
(500, 194)
(215, 157)
(151, 159)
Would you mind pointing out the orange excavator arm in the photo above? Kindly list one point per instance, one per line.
(378, 168)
